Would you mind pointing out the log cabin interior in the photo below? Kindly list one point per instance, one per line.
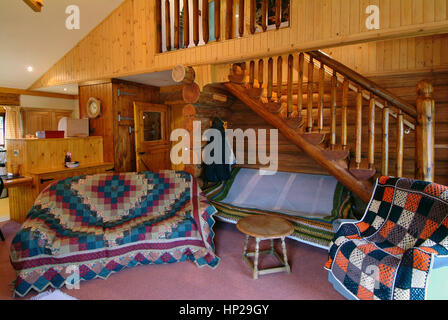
(331, 117)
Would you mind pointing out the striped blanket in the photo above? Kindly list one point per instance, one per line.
(312, 228)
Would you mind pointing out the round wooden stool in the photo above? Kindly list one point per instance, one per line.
(263, 227)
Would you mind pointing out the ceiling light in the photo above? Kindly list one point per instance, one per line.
(65, 89)
(30, 69)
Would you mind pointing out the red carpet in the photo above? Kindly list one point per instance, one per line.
(231, 280)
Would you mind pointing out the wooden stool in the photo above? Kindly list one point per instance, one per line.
(263, 227)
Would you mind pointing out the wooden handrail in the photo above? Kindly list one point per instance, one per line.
(367, 84)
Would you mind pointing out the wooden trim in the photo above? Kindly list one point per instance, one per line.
(38, 93)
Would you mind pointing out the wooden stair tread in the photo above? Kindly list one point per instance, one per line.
(273, 107)
(294, 123)
(336, 153)
(254, 92)
(363, 172)
(314, 138)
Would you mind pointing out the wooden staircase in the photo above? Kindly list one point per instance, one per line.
(296, 107)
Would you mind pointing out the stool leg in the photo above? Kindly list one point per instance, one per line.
(257, 251)
(245, 246)
(285, 257)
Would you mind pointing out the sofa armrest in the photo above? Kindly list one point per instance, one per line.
(337, 223)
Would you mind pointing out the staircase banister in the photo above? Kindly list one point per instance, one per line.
(367, 84)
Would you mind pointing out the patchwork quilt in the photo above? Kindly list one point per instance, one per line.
(390, 252)
(314, 230)
(89, 227)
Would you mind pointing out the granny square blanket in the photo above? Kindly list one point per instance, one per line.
(87, 227)
(389, 253)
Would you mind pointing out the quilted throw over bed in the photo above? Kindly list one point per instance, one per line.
(390, 252)
(92, 226)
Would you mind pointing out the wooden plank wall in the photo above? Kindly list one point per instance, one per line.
(124, 43)
(412, 55)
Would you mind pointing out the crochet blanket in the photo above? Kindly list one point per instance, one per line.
(388, 255)
(87, 227)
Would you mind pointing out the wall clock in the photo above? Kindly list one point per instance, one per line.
(93, 107)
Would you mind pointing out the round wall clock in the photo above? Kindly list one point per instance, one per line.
(93, 107)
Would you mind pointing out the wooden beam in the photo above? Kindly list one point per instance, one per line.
(36, 5)
(38, 93)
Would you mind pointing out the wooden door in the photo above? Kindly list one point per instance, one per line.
(152, 136)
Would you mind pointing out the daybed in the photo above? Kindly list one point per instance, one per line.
(312, 203)
(89, 227)
(399, 250)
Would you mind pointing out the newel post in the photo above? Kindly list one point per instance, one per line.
(425, 131)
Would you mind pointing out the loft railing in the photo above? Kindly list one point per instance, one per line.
(190, 23)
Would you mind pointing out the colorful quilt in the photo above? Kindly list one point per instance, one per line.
(89, 227)
(314, 230)
(389, 253)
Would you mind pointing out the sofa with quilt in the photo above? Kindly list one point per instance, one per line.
(89, 227)
(312, 203)
(399, 250)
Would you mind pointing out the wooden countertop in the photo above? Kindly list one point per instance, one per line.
(64, 169)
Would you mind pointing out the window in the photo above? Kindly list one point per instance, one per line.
(2, 129)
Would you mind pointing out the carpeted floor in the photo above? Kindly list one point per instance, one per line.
(231, 280)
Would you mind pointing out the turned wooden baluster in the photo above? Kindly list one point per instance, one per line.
(217, 20)
(241, 18)
(279, 78)
(400, 143)
(290, 83)
(425, 132)
(229, 19)
(168, 25)
(371, 132)
(385, 146)
(333, 105)
(260, 72)
(309, 115)
(205, 21)
(196, 22)
(270, 78)
(252, 73)
(264, 15)
(176, 24)
(358, 128)
(320, 110)
(186, 24)
(253, 13)
(278, 13)
(300, 84)
(344, 106)
(159, 25)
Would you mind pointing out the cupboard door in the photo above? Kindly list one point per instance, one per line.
(36, 121)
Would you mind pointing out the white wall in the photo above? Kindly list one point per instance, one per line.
(50, 103)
